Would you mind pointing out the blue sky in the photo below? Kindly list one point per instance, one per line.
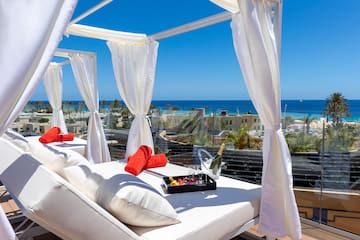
(320, 50)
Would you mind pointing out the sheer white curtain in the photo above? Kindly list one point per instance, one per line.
(134, 66)
(29, 34)
(53, 86)
(84, 68)
(256, 40)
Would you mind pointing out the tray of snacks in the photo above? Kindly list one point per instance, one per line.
(188, 183)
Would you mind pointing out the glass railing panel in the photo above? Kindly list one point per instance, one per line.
(340, 162)
(303, 135)
(177, 133)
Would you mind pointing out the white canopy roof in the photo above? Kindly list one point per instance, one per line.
(256, 35)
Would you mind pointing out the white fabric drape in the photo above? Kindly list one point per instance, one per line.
(84, 68)
(29, 34)
(104, 34)
(53, 86)
(134, 66)
(257, 48)
(229, 5)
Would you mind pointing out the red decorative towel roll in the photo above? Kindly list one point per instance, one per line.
(157, 160)
(137, 161)
(50, 135)
(64, 137)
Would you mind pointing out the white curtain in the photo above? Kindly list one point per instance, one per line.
(53, 86)
(84, 68)
(230, 5)
(256, 39)
(134, 66)
(104, 34)
(29, 34)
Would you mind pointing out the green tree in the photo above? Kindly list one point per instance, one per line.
(68, 107)
(339, 139)
(115, 106)
(307, 121)
(47, 107)
(188, 125)
(39, 105)
(102, 105)
(240, 138)
(337, 108)
(43, 120)
(302, 142)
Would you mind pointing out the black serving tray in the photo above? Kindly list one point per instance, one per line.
(189, 183)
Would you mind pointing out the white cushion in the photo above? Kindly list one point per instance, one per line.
(83, 179)
(55, 158)
(49, 200)
(127, 197)
(17, 139)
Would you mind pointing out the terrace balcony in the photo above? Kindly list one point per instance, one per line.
(326, 183)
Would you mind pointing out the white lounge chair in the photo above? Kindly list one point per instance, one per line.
(52, 202)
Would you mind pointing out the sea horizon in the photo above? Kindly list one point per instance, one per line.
(295, 108)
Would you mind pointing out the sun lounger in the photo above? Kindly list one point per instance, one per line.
(78, 144)
(51, 201)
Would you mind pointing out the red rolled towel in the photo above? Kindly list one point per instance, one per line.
(64, 137)
(157, 160)
(137, 161)
(50, 135)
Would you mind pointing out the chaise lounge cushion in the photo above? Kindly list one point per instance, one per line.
(53, 203)
(56, 159)
(128, 198)
(17, 139)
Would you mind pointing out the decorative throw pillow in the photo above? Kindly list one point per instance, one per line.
(135, 202)
(56, 158)
(17, 139)
(128, 198)
(83, 179)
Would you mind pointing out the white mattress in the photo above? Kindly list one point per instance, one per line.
(211, 214)
(55, 204)
(78, 144)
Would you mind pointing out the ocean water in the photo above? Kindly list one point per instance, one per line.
(294, 108)
(297, 109)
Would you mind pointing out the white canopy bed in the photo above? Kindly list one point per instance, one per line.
(84, 68)
(256, 35)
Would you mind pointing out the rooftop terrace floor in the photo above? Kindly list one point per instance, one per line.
(309, 232)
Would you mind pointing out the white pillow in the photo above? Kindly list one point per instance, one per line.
(56, 158)
(17, 139)
(128, 198)
(83, 179)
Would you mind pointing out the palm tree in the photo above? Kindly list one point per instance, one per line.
(307, 121)
(240, 138)
(103, 104)
(39, 105)
(337, 108)
(115, 106)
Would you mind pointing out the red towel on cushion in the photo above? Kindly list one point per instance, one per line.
(137, 161)
(157, 160)
(50, 135)
(64, 137)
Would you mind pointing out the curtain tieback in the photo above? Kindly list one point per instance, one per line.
(144, 116)
(274, 128)
(94, 113)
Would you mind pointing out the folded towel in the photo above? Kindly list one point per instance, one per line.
(50, 135)
(136, 162)
(64, 137)
(157, 160)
